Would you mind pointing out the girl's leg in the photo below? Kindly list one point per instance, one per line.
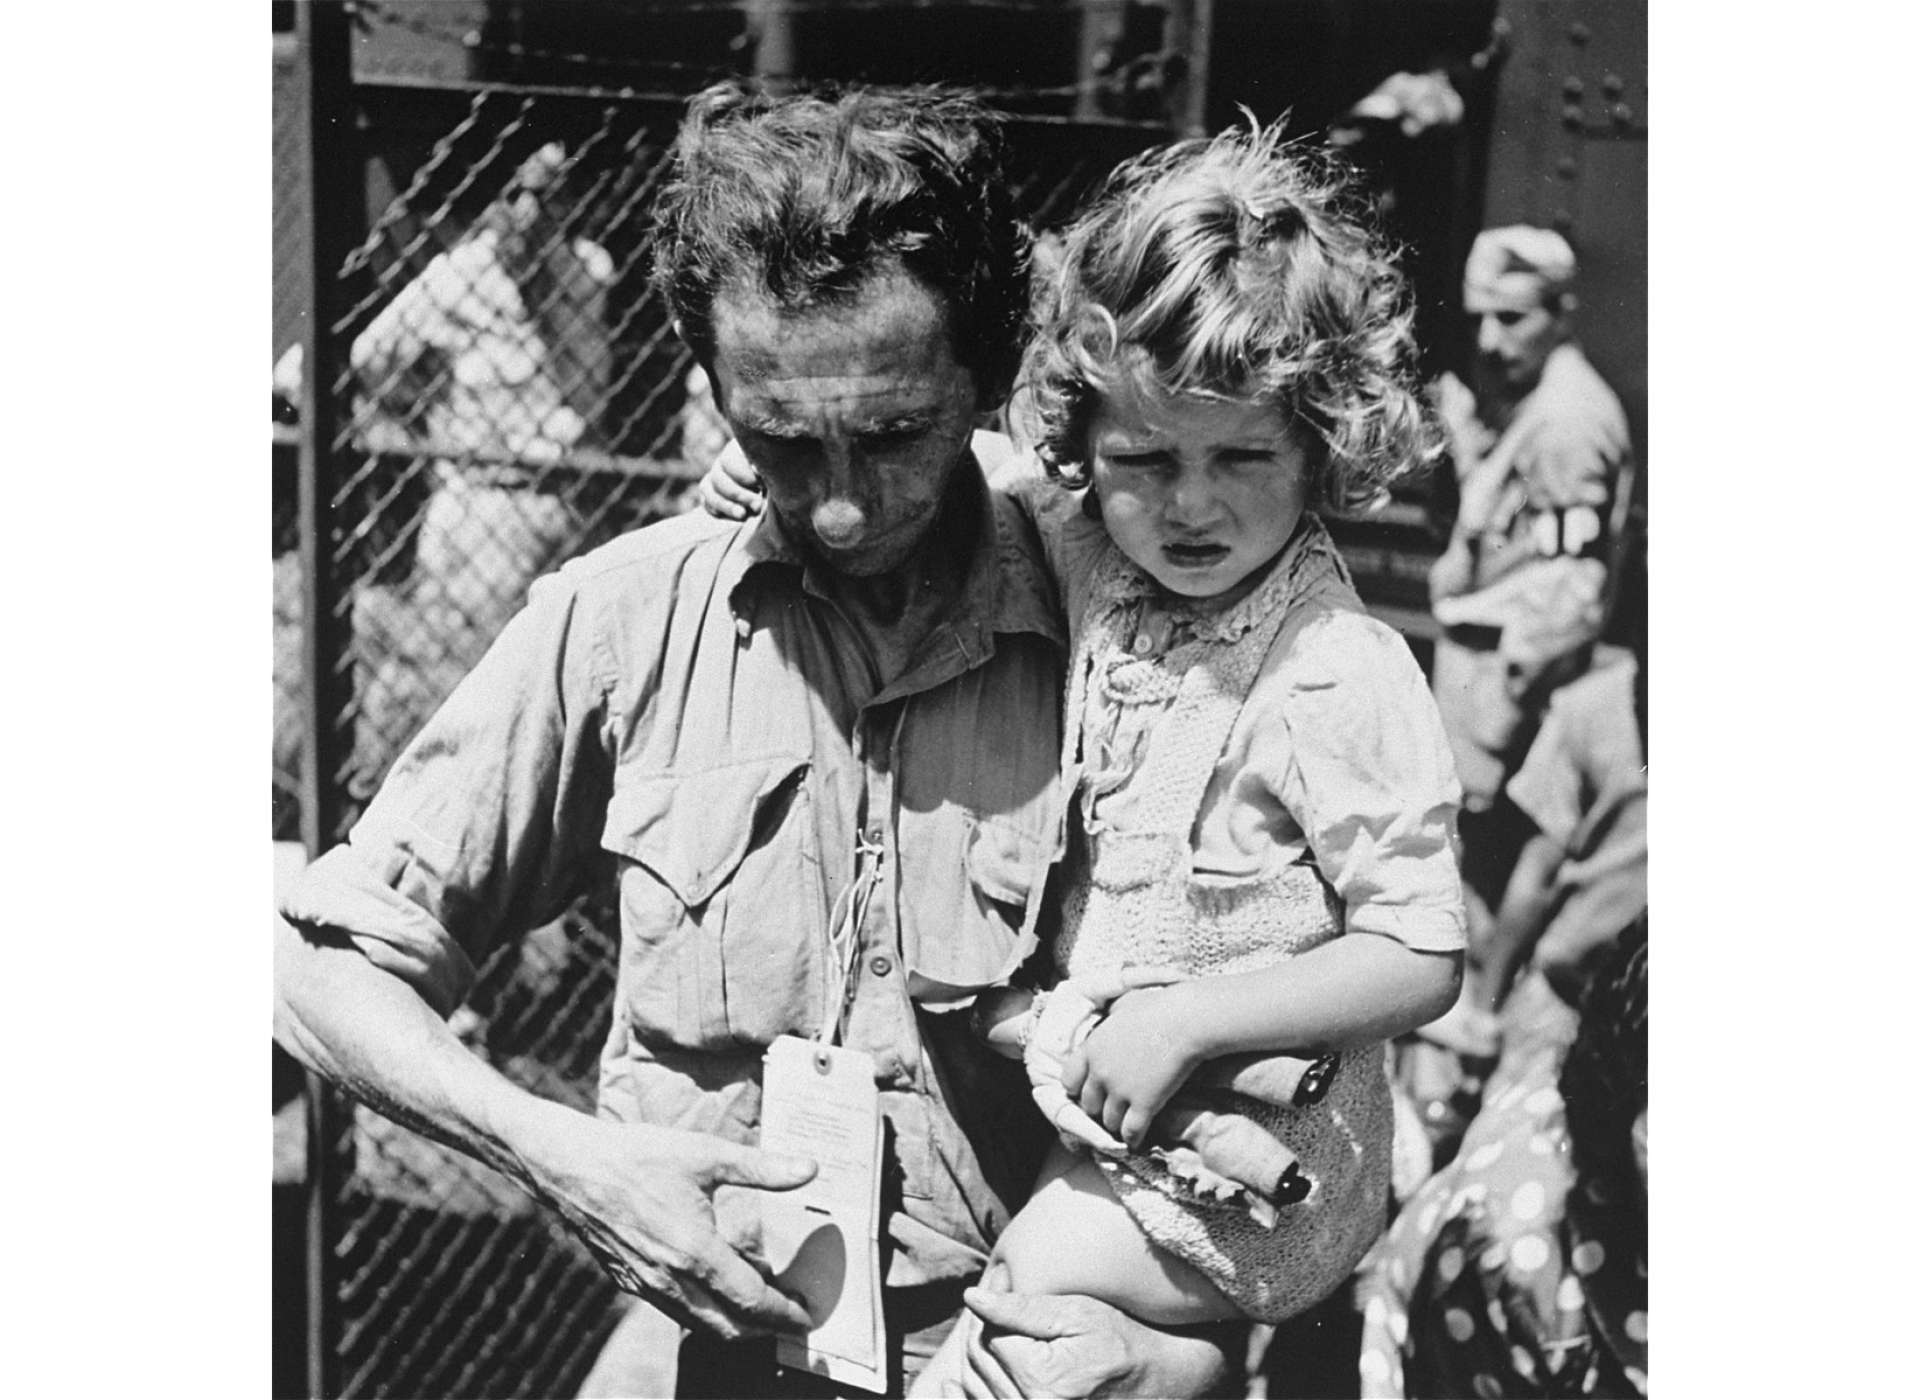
(1074, 1236)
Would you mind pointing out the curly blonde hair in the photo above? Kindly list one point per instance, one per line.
(1237, 267)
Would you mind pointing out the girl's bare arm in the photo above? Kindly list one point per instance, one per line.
(1354, 990)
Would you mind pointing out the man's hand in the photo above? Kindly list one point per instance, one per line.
(731, 488)
(641, 1198)
(1133, 1061)
(1037, 1344)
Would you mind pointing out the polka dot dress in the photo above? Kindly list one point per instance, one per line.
(1503, 1276)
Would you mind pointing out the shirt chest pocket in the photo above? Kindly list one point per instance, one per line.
(983, 920)
(720, 906)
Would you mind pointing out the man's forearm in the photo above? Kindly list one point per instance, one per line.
(640, 1198)
(376, 1037)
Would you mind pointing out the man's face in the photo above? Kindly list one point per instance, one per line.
(856, 415)
(1513, 345)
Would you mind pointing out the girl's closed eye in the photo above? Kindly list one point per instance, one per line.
(1142, 462)
(1244, 458)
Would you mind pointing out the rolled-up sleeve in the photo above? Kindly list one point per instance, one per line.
(1372, 781)
(485, 826)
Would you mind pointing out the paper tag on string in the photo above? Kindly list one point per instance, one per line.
(822, 1241)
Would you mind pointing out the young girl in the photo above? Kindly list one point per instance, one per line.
(1261, 858)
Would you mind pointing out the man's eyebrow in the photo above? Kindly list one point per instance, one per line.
(909, 421)
(771, 425)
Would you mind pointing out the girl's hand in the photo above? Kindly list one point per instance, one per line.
(1134, 1061)
(731, 488)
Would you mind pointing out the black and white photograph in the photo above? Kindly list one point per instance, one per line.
(961, 698)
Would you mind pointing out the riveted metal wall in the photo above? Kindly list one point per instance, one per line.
(1568, 151)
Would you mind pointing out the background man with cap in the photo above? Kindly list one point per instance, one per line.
(1545, 472)
(1544, 464)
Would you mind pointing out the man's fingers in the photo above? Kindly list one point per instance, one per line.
(985, 1377)
(1033, 1315)
(1133, 1127)
(750, 1302)
(749, 1166)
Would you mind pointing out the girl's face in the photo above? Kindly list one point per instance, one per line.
(1198, 492)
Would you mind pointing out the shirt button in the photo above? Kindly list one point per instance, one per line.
(881, 965)
(876, 835)
(1143, 645)
(743, 628)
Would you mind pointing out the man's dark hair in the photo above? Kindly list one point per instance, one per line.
(804, 197)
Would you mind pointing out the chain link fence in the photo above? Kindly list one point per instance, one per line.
(508, 393)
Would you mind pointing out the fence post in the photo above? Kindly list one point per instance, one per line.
(1190, 34)
(771, 25)
(335, 194)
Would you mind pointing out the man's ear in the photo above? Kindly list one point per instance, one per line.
(680, 330)
(706, 370)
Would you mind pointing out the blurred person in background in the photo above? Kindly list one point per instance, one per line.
(1544, 466)
(487, 368)
(1544, 470)
(1521, 1267)
(481, 371)
(769, 734)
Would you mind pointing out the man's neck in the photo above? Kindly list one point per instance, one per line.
(894, 612)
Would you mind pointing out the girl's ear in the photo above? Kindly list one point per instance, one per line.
(1322, 488)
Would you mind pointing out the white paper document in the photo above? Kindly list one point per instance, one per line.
(823, 1239)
